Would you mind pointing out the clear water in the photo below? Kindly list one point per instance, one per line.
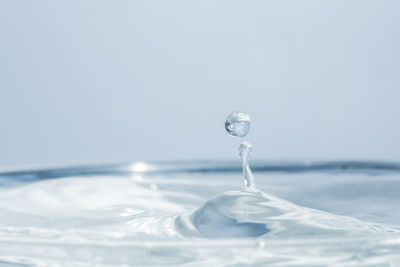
(237, 124)
(191, 215)
(245, 150)
(196, 214)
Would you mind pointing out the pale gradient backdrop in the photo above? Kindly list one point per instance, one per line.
(109, 81)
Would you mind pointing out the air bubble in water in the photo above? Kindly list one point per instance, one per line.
(237, 124)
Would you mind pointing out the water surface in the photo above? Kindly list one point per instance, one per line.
(191, 214)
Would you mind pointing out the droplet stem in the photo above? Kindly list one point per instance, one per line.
(245, 150)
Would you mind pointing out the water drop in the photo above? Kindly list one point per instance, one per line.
(237, 124)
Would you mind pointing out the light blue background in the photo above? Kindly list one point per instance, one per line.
(109, 81)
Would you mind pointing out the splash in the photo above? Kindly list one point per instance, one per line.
(253, 213)
(238, 124)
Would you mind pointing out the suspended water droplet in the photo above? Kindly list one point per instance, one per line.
(237, 124)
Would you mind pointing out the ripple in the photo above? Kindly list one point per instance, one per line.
(254, 214)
